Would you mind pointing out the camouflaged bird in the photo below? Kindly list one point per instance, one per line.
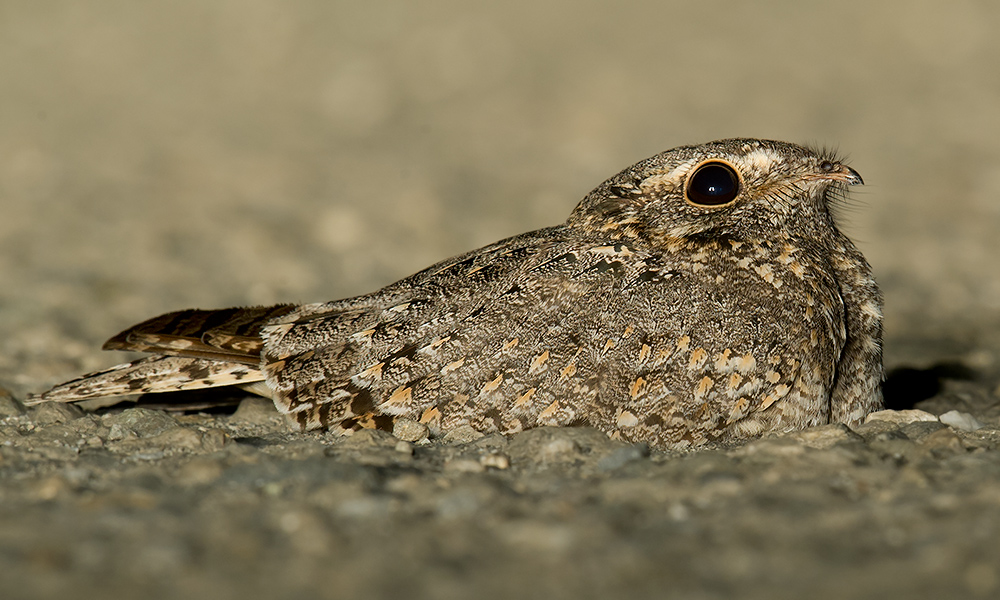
(704, 294)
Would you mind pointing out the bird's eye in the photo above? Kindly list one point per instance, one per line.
(713, 184)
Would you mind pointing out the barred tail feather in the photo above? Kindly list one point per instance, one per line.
(154, 374)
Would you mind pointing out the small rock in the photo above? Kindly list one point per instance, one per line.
(879, 429)
(178, 438)
(982, 579)
(558, 450)
(213, 439)
(143, 422)
(76, 476)
(555, 445)
(254, 410)
(825, 436)
(54, 412)
(918, 430)
(409, 430)
(678, 512)
(458, 504)
(150, 454)
(900, 416)
(773, 446)
(367, 439)
(9, 406)
(461, 435)
(119, 432)
(58, 452)
(899, 449)
(961, 420)
(373, 447)
(364, 508)
(49, 488)
(495, 460)
(617, 459)
(547, 539)
(493, 442)
(199, 472)
(944, 440)
(464, 465)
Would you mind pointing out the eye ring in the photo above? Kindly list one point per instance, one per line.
(713, 183)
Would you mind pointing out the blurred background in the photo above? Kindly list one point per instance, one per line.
(163, 155)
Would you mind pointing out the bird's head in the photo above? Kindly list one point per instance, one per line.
(736, 188)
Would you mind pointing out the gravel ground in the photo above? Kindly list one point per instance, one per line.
(164, 155)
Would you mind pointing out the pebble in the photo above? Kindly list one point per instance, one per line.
(183, 439)
(461, 435)
(255, 410)
(53, 412)
(409, 430)
(900, 416)
(495, 460)
(49, 488)
(142, 422)
(772, 447)
(825, 436)
(373, 447)
(982, 579)
(879, 429)
(918, 430)
(617, 459)
(962, 421)
(365, 439)
(119, 432)
(199, 471)
(9, 406)
(558, 450)
(944, 440)
(464, 465)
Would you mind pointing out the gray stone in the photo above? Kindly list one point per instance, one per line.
(254, 410)
(142, 422)
(409, 430)
(900, 416)
(52, 413)
(9, 405)
(961, 420)
(461, 435)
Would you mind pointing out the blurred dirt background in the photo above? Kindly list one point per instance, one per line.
(164, 155)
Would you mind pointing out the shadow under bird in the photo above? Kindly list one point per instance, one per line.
(702, 295)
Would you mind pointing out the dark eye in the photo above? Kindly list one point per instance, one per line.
(713, 184)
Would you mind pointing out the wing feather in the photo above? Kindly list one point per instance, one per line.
(194, 349)
(231, 334)
(150, 375)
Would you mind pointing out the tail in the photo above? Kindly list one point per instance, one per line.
(193, 349)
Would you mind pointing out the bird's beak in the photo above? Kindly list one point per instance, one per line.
(839, 173)
(850, 176)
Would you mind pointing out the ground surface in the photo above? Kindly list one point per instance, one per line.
(156, 156)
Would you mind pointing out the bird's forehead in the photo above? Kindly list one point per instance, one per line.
(672, 177)
(753, 161)
(758, 159)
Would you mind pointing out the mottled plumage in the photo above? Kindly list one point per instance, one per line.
(704, 294)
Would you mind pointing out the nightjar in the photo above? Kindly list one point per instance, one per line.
(702, 295)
